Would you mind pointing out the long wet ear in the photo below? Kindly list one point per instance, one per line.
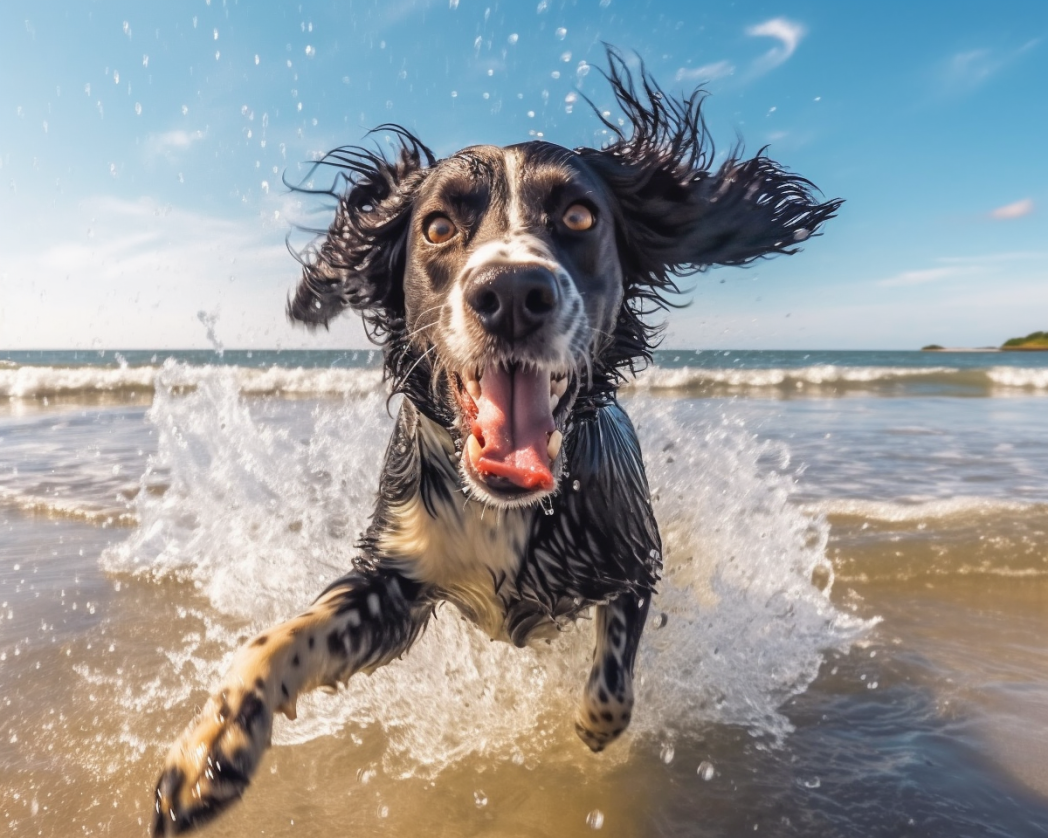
(677, 215)
(359, 264)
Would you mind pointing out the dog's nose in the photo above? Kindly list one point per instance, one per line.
(513, 302)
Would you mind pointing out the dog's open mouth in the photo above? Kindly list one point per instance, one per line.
(512, 441)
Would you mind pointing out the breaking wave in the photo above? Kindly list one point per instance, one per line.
(40, 381)
(898, 512)
(823, 379)
(27, 381)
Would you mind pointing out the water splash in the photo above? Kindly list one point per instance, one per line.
(265, 500)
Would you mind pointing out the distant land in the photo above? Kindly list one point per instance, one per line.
(1035, 341)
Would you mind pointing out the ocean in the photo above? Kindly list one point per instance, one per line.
(849, 638)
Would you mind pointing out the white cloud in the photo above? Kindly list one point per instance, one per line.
(984, 266)
(707, 72)
(1015, 210)
(786, 32)
(129, 274)
(922, 276)
(169, 142)
(970, 69)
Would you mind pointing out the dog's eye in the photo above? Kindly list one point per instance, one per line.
(579, 217)
(439, 229)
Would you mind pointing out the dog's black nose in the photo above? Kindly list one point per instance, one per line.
(513, 301)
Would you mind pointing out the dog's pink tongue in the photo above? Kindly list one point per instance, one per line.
(514, 421)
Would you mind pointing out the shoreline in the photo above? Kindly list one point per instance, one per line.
(963, 349)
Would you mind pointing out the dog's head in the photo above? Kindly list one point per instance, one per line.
(509, 286)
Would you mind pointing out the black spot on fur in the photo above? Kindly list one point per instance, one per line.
(607, 716)
(260, 640)
(335, 645)
(311, 641)
(283, 689)
(603, 695)
(253, 709)
(612, 673)
(295, 661)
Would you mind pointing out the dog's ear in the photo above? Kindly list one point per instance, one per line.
(360, 261)
(677, 214)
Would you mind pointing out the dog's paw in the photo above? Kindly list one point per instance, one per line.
(599, 726)
(596, 740)
(211, 764)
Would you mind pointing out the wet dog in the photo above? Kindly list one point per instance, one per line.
(511, 291)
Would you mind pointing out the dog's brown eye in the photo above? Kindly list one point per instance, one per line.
(579, 218)
(439, 229)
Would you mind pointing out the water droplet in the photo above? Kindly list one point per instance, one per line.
(667, 753)
(659, 620)
(705, 770)
(872, 685)
(480, 798)
(138, 108)
(576, 485)
(595, 819)
(514, 38)
(310, 51)
(813, 783)
(561, 33)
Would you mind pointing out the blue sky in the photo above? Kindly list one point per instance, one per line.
(142, 148)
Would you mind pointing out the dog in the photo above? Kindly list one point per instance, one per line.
(511, 290)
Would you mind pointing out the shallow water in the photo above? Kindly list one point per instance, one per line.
(849, 638)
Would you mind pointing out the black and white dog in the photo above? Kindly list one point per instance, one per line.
(509, 289)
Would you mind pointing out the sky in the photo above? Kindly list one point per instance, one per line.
(143, 149)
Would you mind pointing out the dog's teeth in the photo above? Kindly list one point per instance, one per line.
(473, 388)
(559, 387)
(554, 400)
(553, 446)
(473, 449)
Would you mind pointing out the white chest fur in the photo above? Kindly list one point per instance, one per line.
(463, 547)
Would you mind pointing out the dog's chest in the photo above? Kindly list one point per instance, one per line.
(470, 552)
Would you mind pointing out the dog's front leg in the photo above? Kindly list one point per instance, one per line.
(607, 700)
(361, 622)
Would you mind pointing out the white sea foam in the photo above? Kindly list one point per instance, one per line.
(37, 381)
(262, 519)
(683, 378)
(74, 510)
(919, 509)
(1019, 377)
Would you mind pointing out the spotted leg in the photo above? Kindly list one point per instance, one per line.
(360, 623)
(607, 701)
